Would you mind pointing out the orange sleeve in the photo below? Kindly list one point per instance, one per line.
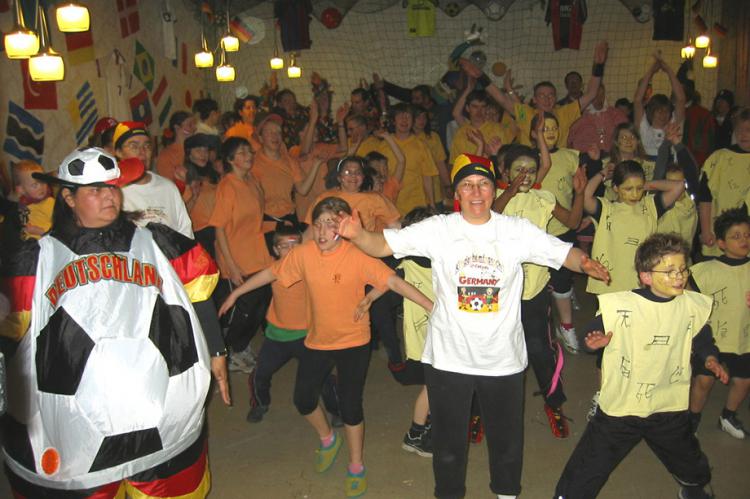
(374, 272)
(297, 173)
(288, 270)
(391, 188)
(221, 216)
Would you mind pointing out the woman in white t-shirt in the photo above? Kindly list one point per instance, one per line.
(475, 339)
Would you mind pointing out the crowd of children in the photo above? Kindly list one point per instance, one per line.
(291, 200)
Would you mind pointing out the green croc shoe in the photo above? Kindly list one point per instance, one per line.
(326, 456)
(356, 484)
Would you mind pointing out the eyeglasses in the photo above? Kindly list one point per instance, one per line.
(136, 147)
(483, 185)
(674, 274)
(288, 244)
(352, 173)
(550, 129)
(328, 224)
(738, 236)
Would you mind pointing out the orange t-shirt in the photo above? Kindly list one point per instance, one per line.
(239, 211)
(322, 150)
(287, 309)
(277, 178)
(335, 285)
(374, 209)
(244, 131)
(391, 188)
(200, 214)
(169, 159)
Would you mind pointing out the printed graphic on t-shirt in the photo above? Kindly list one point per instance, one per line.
(479, 284)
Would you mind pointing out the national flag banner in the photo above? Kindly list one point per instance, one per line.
(80, 47)
(83, 112)
(140, 108)
(240, 30)
(37, 94)
(143, 66)
(248, 29)
(156, 96)
(164, 113)
(24, 135)
(130, 22)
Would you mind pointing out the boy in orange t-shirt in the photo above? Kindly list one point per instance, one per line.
(335, 273)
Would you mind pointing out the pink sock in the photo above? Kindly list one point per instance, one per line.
(328, 441)
(356, 468)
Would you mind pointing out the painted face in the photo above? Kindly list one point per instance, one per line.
(199, 156)
(139, 147)
(95, 206)
(742, 132)
(551, 132)
(631, 190)
(248, 111)
(627, 142)
(404, 122)
(475, 195)
(351, 176)
(527, 167)
(476, 110)
(242, 160)
(668, 277)
(31, 187)
(324, 232)
(545, 98)
(270, 136)
(736, 242)
(674, 175)
(283, 246)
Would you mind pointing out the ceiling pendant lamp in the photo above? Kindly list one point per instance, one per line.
(276, 61)
(710, 61)
(72, 18)
(688, 51)
(229, 42)
(204, 58)
(21, 42)
(293, 71)
(224, 71)
(702, 41)
(47, 65)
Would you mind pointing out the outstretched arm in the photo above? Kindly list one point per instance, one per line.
(640, 92)
(458, 107)
(257, 280)
(600, 58)
(398, 285)
(303, 186)
(372, 243)
(578, 261)
(677, 90)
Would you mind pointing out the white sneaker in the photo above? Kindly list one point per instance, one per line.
(569, 339)
(593, 408)
(733, 426)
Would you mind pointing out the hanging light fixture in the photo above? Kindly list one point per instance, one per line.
(224, 71)
(204, 58)
(276, 61)
(229, 42)
(21, 43)
(709, 60)
(702, 41)
(688, 51)
(47, 65)
(72, 18)
(293, 71)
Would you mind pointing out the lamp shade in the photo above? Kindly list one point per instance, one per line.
(204, 59)
(277, 62)
(72, 18)
(225, 73)
(230, 43)
(293, 71)
(702, 41)
(22, 43)
(687, 52)
(710, 61)
(47, 66)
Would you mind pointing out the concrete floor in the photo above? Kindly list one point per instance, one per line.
(274, 458)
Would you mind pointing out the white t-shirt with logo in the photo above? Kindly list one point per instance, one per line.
(475, 327)
(160, 201)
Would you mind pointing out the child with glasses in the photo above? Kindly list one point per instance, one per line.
(727, 281)
(334, 273)
(647, 335)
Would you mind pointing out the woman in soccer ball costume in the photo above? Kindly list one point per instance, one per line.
(112, 332)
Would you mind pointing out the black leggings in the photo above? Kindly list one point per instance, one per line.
(243, 321)
(351, 368)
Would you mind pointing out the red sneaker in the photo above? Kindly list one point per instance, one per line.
(557, 421)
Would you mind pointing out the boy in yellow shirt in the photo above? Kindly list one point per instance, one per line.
(34, 198)
(650, 334)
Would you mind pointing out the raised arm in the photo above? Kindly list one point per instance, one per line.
(572, 218)
(398, 173)
(640, 92)
(671, 190)
(507, 99)
(308, 133)
(341, 114)
(597, 73)
(677, 91)
(458, 107)
(545, 161)
(589, 194)
(303, 186)
(372, 243)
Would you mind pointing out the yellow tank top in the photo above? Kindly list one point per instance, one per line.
(619, 231)
(681, 219)
(415, 317)
(559, 181)
(730, 317)
(728, 174)
(646, 366)
(535, 206)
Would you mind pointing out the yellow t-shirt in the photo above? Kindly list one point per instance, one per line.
(559, 181)
(619, 231)
(535, 206)
(420, 18)
(435, 145)
(682, 219)
(728, 174)
(730, 317)
(646, 366)
(566, 115)
(371, 143)
(419, 164)
(40, 215)
(505, 131)
(415, 317)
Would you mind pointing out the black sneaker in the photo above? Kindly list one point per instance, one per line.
(256, 413)
(421, 444)
(693, 493)
(733, 426)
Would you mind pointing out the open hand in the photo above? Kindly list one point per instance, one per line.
(594, 269)
(350, 226)
(219, 371)
(713, 365)
(228, 303)
(597, 339)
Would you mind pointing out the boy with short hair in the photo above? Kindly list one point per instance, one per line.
(34, 198)
(727, 281)
(646, 374)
